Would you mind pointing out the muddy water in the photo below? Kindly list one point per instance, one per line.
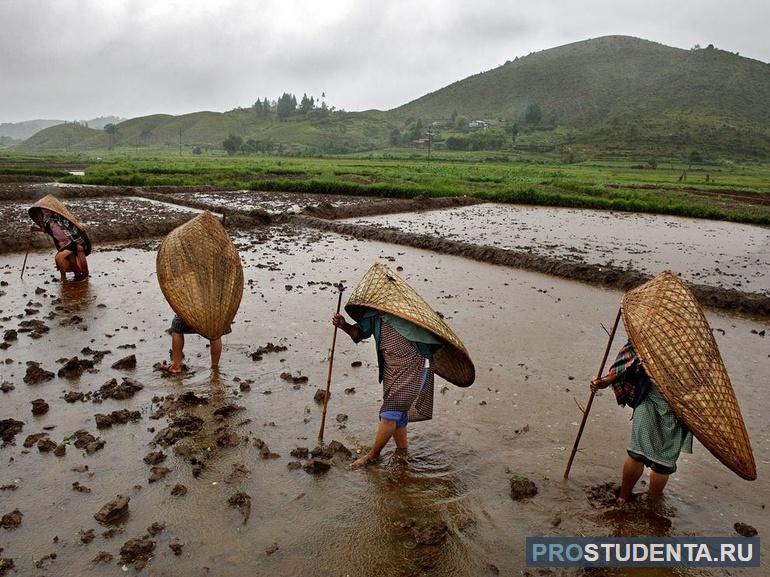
(719, 254)
(535, 341)
(272, 202)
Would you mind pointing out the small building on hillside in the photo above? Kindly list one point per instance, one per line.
(478, 125)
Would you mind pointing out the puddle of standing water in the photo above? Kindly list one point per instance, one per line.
(535, 341)
(721, 254)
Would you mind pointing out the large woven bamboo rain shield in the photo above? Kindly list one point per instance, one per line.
(382, 290)
(201, 276)
(678, 351)
(55, 205)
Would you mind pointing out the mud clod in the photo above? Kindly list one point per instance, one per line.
(176, 547)
(320, 396)
(73, 396)
(137, 551)
(39, 407)
(75, 367)
(158, 473)
(116, 418)
(179, 490)
(120, 392)
(36, 374)
(32, 439)
(522, 488)
(11, 520)
(242, 502)
(154, 457)
(317, 466)
(126, 363)
(300, 453)
(745, 530)
(46, 445)
(102, 557)
(9, 428)
(85, 440)
(113, 512)
(156, 529)
(268, 348)
(87, 536)
(228, 439)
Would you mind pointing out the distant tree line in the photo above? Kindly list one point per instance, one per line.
(287, 106)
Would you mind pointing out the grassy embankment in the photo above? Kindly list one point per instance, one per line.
(733, 192)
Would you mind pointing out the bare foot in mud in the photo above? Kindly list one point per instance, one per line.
(399, 459)
(180, 370)
(364, 461)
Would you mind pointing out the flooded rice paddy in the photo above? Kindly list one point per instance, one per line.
(206, 459)
(720, 254)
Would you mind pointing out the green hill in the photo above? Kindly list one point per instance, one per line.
(325, 132)
(619, 91)
(616, 94)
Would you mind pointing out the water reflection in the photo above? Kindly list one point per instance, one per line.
(412, 517)
(76, 295)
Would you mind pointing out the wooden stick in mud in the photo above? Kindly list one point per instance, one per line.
(591, 398)
(24, 266)
(331, 364)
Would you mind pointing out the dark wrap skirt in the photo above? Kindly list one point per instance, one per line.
(407, 384)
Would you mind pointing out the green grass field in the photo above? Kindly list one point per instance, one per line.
(729, 191)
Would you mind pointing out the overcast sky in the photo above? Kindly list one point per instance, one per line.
(77, 59)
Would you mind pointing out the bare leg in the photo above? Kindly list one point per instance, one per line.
(384, 432)
(399, 437)
(632, 471)
(62, 261)
(216, 352)
(82, 263)
(177, 346)
(657, 484)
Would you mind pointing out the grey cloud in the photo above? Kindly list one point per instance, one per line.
(82, 58)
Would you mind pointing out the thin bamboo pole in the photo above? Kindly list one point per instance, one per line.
(329, 376)
(24, 266)
(591, 398)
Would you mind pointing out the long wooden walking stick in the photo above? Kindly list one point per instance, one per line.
(591, 398)
(331, 364)
(24, 266)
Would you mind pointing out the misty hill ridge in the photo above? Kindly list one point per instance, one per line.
(615, 93)
(25, 129)
(611, 77)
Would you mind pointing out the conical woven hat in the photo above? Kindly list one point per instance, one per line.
(54, 205)
(678, 351)
(382, 290)
(201, 276)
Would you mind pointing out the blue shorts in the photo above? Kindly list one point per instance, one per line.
(399, 416)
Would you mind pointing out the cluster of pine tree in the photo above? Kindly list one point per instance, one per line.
(287, 106)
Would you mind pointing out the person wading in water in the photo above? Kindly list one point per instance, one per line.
(657, 435)
(404, 353)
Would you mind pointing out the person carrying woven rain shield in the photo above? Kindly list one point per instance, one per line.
(413, 344)
(201, 276)
(671, 373)
(657, 435)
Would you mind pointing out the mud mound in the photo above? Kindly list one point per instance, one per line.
(326, 210)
